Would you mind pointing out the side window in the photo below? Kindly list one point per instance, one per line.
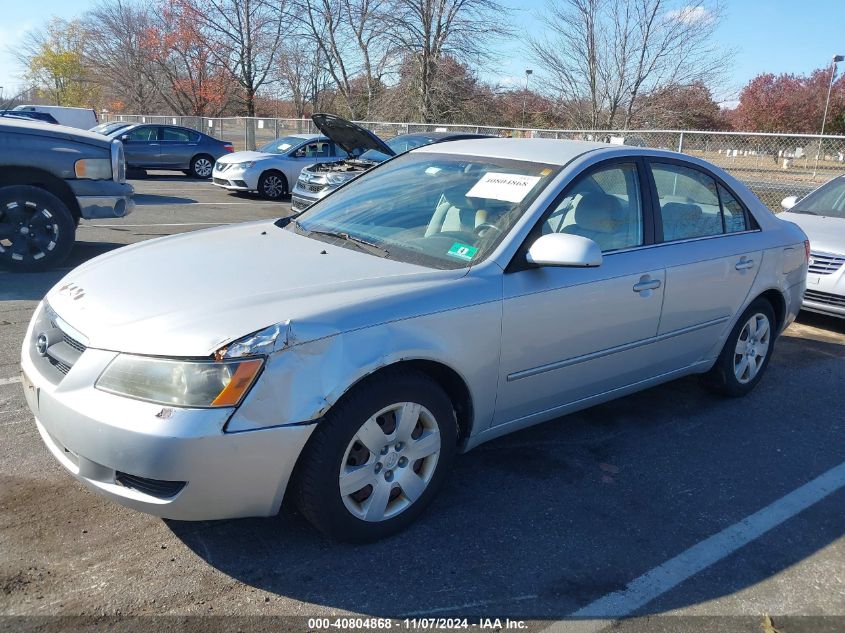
(143, 134)
(604, 206)
(689, 202)
(317, 149)
(173, 134)
(732, 211)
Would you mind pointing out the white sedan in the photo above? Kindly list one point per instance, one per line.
(272, 170)
(446, 297)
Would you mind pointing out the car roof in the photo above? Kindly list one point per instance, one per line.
(534, 150)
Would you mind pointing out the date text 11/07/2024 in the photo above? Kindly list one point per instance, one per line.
(494, 624)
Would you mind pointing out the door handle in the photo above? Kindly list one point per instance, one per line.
(646, 284)
(744, 264)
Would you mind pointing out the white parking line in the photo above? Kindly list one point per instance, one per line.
(9, 381)
(664, 577)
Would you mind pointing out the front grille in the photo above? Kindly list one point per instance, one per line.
(158, 488)
(298, 204)
(314, 188)
(825, 297)
(63, 354)
(79, 347)
(825, 263)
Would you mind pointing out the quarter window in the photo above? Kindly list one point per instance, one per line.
(693, 204)
(172, 134)
(604, 206)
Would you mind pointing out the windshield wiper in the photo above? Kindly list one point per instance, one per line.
(803, 211)
(364, 245)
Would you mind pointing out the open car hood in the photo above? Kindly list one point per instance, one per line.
(352, 138)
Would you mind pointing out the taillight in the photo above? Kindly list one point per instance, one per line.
(228, 147)
(806, 250)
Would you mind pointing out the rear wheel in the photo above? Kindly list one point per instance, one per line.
(272, 185)
(746, 353)
(37, 230)
(202, 166)
(378, 457)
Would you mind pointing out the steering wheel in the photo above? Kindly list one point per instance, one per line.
(482, 228)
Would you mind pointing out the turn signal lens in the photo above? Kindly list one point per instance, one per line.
(93, 168)
(806, 250)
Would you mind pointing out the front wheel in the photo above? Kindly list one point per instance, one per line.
(202, 166)
(37, 231)
(272, 185)
(746, 353)
(378, 457)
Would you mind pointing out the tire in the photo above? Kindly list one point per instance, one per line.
(272, 185)
(391, 473)
(739, 367)
(201, 166)
(37, 231)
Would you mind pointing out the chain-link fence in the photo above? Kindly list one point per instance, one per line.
(772, 165)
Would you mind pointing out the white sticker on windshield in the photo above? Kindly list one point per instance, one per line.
(507, 187)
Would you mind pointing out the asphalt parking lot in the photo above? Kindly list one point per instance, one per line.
(674, 508)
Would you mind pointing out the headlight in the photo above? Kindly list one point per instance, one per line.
(337, 179)
(245, 165)
(180, 383)
(93, 168)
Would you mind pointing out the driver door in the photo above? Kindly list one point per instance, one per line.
(142, 147)
(572, 333)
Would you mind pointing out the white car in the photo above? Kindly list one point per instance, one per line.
(821, 214)
(274, 168)
(82, 118)
(445, 297)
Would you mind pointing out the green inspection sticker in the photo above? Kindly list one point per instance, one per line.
(462, 251)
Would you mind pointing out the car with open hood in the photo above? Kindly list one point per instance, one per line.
(365, 150)
(270, 170)
(821, 215)
(453, 294)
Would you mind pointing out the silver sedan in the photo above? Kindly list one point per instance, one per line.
(821, 214)
(449, 296)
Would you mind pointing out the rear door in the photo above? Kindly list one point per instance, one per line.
(178, 146)
(142, 148)
(572, 333)
(712, 256)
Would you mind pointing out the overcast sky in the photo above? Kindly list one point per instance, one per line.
(792, 36)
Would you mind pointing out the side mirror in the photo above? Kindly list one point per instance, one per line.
(124, 138)
(788, 202)
(563, 249)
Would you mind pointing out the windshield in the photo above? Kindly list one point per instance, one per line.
(281, 145)
(398, 144)
(437, 210)
(828, 200)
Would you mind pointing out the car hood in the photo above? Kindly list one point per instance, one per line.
(191, 294)
(353, 139)
(827, 234)
(242, 157)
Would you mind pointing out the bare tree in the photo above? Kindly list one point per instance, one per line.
(432, 30)
(243, 36)
(604, 56)
(116, 32)
(351, 37)
(302, 74)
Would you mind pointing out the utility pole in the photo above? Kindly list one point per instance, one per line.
(528, 73)
(836, 59)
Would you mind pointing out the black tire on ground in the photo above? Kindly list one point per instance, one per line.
(201, 166)
(722, 378)
(272, 185)
(37, 231)
(316, 484)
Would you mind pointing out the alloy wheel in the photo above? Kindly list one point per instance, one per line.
(28, 232)
(203, 167)
(752, 346)
(389, 462)
(273, 186)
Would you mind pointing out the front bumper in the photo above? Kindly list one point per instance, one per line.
(234, 179)
(303, 196)
(100, 199)
(826, 293)
(170, 462)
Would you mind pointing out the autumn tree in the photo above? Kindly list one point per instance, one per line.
(54, 58)
(791, 103)
(179, 57)
(680, 107)
(603, 56)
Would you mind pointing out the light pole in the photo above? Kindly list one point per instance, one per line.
(528, 73)
(836, 59)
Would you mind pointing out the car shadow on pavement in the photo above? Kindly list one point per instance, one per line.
(33, 286)
(542, 522)
(147, 199)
